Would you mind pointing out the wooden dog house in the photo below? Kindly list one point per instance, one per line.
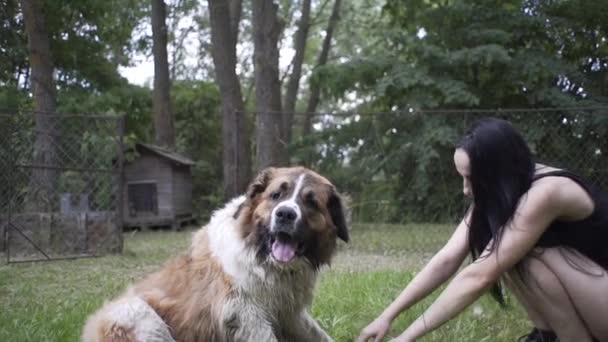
(157, 189)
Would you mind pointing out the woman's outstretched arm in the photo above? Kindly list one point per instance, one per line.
(440, 268)
(535, 212)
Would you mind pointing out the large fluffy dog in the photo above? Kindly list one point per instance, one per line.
(248, 276)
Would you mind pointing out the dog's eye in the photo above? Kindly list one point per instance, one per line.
(311, 201)
(275, 195)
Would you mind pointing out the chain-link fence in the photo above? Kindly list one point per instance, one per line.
(397, 167)
(60, 193)
(59, 185)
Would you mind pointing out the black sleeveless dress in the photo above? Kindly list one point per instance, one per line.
(589, 235)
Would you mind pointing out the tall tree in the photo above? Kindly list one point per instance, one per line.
(164, 132)
(293, 84)
(315, 91)
(180, 29)
(235, 141)
(271, 150)
(44, 177)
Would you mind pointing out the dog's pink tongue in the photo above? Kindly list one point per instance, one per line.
(283, 251)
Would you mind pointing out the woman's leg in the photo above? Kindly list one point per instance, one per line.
(515, 285)
(573, 303)
(544, 295)
(587, 289)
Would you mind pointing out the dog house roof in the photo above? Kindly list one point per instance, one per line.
(173, 156)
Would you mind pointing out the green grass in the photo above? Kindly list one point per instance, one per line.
(348, 301)
(399, 240)
(50, 301)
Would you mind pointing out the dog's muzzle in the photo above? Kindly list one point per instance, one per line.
(285, 216)
(284, 245)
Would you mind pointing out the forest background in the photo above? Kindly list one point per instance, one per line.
(373, 94)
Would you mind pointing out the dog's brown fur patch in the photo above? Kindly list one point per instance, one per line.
(111, 332)
(187, 289)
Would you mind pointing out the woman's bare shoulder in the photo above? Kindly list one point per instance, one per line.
(573, 201)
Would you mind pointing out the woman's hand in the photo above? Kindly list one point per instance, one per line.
(376, 330)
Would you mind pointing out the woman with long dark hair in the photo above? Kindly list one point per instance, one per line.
(541, 231)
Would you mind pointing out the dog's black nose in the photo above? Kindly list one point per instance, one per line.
(286, 215)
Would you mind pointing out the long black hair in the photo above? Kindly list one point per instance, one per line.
(501, 171)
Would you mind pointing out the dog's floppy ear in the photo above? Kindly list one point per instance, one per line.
(256, 187)
(260, 182)
(336, 211)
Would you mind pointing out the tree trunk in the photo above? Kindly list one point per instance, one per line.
(178, 39)
(236, 9)
(266, 29)
(236, 147)
(293, 84)
(315, 92)
(44, 177)
(164, 133)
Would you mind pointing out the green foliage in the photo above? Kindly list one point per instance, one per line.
(488, 54)
(458, 55)
(14, 46)
(397, 167)
(72, 182)
(89, 39)
(198, 135)
(12, 98)
(98, 140)
(134, 102)
(397, 55)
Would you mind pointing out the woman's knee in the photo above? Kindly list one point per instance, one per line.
(560, 277)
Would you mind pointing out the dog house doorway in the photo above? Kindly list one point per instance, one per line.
(142, 198)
